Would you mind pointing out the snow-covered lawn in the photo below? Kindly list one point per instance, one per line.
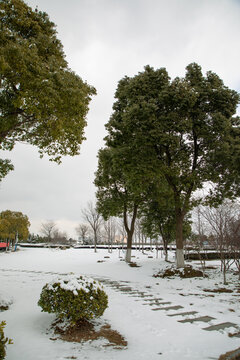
(151, 334)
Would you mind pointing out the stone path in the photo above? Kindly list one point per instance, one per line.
(158, 304)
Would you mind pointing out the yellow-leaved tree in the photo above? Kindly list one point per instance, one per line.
(13, 224)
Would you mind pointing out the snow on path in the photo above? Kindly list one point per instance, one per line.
(150, 334)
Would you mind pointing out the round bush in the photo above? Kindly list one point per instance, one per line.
(74, 298)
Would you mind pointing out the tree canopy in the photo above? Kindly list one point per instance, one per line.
(12, 224)
(170, 130)
(42, 102)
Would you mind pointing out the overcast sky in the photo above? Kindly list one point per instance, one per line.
(104, 40)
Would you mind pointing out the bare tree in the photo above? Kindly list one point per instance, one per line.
(110, 230)
(59, 237)
(234, 227)
(94, 219)
(82, 231)
(219, 220)
(47, 229)
(122, 230)
(199, 237)
(140, 235)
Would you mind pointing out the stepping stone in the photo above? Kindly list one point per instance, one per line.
(158, 303)
(169, 308)
(163, 302)
(200, 318)
(126, 289)
(237, 334)
(184, 313)
(220, 326)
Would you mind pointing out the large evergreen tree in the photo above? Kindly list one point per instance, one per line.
(42, 102)
(171, 129)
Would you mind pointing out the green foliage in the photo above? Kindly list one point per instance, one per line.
(42, 102)
(115, 193)
(158, 212)
(14, 223)
(226, 162)
(5, 167)
(3, 341)
(74, 298)
(170, 130)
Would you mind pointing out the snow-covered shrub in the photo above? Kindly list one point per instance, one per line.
(74, 298)
(3, 341)
(5, 301)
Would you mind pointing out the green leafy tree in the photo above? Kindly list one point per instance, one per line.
(171, 129)
(115, 195)
(42, 102)
(13, 224)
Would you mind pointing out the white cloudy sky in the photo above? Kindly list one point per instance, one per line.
(105, 40)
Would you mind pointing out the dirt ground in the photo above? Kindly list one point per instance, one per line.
(88, 331)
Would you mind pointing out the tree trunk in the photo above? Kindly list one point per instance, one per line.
(129, 231)
(165, 245)
(129, 247)
(224, 277)
(95, 241)
(179, 258)
(179, 239)
(166, 255)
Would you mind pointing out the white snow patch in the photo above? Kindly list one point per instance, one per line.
(150, 334)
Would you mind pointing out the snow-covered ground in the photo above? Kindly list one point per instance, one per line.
(151, 334)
